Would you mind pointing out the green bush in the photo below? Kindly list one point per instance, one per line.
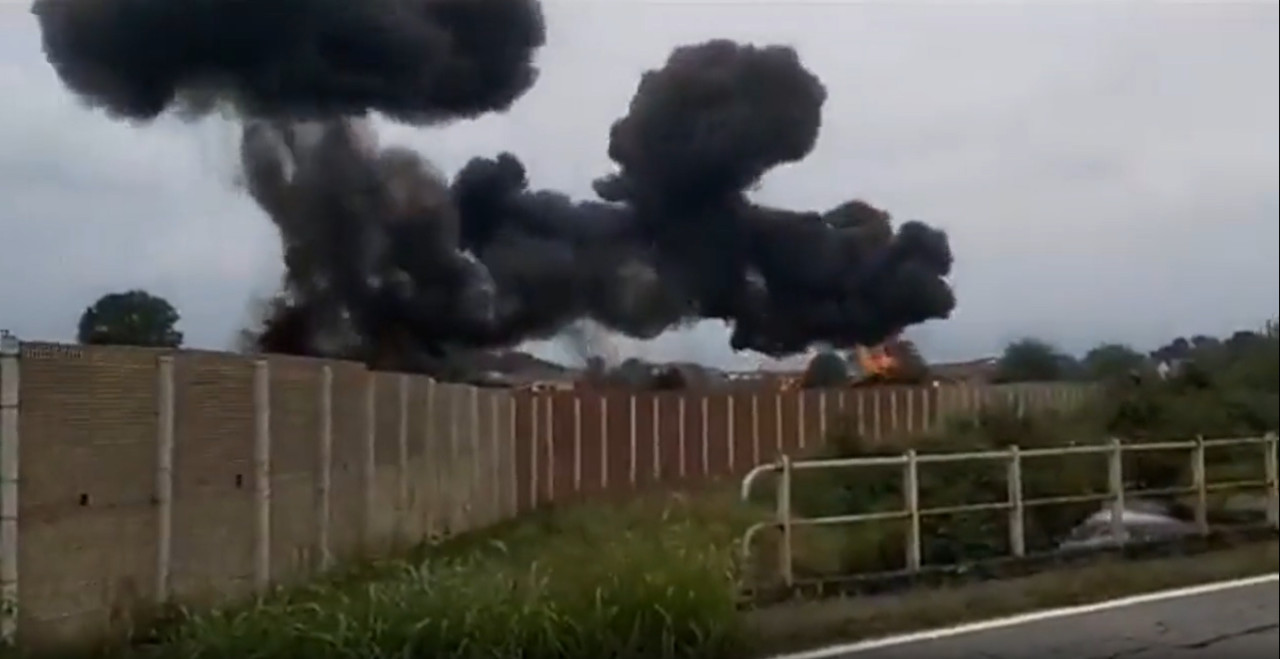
(954, 538)
(1217, 394)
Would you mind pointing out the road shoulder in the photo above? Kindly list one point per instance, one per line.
(797, 627)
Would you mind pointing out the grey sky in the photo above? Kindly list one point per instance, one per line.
(1105, 170)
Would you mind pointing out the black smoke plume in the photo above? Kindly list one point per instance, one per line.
(389, 262)
(413, 60)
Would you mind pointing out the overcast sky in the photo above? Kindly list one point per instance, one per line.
(1106, 171)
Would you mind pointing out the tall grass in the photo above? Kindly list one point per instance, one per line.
(651, 580)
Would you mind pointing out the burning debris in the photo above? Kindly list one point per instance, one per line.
(389, 262)
(896, 361)
(875, 362)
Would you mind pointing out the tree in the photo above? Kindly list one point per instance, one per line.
(826, 369)
(1175, 350)
(910, 365)
(1110, 361)
(1032, 360)
(131, 318)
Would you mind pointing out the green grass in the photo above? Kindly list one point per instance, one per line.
(650, 580)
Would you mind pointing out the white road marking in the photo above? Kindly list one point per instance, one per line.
(834, 651)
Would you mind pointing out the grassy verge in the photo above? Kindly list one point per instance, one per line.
(803, 625)
(652, 579)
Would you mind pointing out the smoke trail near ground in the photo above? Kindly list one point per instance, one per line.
(388, 261)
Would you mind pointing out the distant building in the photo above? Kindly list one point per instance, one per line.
(977, 371)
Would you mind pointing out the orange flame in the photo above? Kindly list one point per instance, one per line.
(877, 361)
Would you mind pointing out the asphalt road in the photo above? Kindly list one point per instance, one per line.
(1239, 622)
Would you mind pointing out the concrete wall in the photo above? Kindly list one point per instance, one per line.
(583, 444)
(134, 476)
(199, 477)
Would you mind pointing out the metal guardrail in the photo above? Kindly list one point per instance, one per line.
(1016, 504)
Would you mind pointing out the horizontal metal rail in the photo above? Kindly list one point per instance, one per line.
(785, 470)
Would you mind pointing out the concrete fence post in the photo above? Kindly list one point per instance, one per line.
(755, 429)
(164, 476)
(495, 458)
(435, 471)
(512, 468)
(861, 412)
(577, 445)
(706, 435)
(604, 443)
(927, 405)
(262, 474)
(368, 457)
(801, 421)
(777, 423)
(632, 439)
(402, 457)
(10, 393)
(475, 509)
(822, 416)
(730, 439)
(877, 430)
(324, 471)
(454, 468)
(682, 460)
(535, 443)
(549, 445)
(909, 417)
(656, 437)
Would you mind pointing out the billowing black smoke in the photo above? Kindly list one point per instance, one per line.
(388, 262)
(413, 60)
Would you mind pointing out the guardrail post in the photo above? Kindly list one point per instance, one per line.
(1273, 483)
(911, 494)
(1115, 473)
(1017, 531)
(1199, 481)
(784, 522)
